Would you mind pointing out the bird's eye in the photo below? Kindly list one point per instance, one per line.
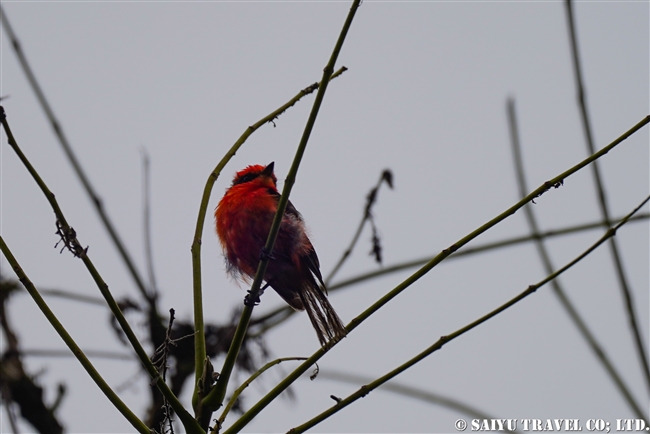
(246, 178)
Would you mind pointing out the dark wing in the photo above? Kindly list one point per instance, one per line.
(313, 265)
(311, 260)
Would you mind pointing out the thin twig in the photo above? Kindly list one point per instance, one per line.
(577, 320)
(366, 389)
(247, 383)
(91, 354)
(67, 148)
(71, 242)
(371, 198)
(90, 369)
(146, 217)
(159, 359)
(82, 298)
(293, 376)
(602, 199)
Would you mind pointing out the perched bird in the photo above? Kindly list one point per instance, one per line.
(243, 220)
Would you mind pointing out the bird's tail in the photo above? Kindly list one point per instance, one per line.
(323, 317)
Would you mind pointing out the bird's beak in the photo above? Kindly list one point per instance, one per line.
(268, 170)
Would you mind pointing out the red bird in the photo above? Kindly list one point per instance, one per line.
(243, 219)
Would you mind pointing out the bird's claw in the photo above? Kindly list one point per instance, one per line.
(249, 301)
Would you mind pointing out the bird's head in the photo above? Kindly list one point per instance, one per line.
(257, 173)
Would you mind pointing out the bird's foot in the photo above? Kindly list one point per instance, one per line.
(249, 301)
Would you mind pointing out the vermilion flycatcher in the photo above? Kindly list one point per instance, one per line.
(244, 217)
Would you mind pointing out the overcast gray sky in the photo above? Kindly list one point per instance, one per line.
(424, 96)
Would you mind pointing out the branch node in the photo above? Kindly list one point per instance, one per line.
(69, 239)
(547, 186)
(451, 249)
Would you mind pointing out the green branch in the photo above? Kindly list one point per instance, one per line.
(276, 391)
(280, 314)
(76, 166)
(574, 315)
(553, 183)
(365, 389)
(247, 383)
(74, 348)
(602, 200)
(70, 241)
